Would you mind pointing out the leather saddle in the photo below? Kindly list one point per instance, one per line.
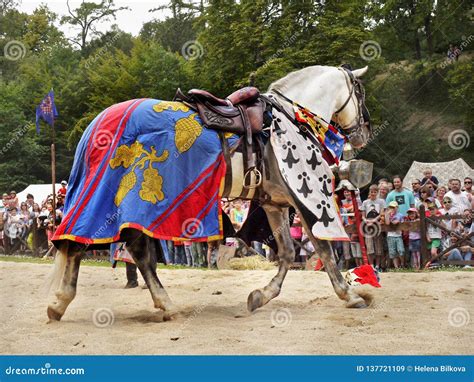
(240, 113)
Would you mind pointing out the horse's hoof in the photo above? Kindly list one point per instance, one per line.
(255, 300)
(170, 316)
(53, 315)
(357, 305)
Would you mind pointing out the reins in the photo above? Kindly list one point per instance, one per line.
(355, 88)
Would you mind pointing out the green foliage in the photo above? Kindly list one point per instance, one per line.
(416, 97)
(461, 89)
(22, 159)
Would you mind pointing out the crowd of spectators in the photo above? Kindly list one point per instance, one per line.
(28, 224)
(389, 202)
(204, 254)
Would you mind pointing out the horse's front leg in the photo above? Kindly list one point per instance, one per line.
(67, 262)
(279, 223)
(139, 247)
(343, 290)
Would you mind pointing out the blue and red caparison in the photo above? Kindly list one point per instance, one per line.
(149, 165)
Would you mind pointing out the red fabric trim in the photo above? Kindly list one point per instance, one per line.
(91, 169)
(115, 118)
(183, 195)
(193, 204)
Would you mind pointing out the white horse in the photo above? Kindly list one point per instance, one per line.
(332, 93)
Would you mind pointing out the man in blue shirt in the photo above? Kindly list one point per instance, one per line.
(403, 197)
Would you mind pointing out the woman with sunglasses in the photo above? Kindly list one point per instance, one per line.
(467, 190)
(467, 185)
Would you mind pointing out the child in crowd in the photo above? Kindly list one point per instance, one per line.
(450, 224)
(14, 202)
(433, 234)
(429, 179)
(356, 250)
(238, 214)
(383, 191)
(296, 232)
(415, 240)
(372, 209)
(396, 249)
(347, 209)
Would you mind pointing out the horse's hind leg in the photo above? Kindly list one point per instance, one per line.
(279, 223)
(68, 260)
(138, 245)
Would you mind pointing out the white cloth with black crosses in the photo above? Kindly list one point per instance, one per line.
(309, 178)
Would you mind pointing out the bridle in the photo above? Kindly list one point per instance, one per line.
(354, 85)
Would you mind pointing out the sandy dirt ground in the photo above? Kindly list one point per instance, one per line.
(413, 313)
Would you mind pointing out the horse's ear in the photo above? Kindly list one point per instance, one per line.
(360, 72)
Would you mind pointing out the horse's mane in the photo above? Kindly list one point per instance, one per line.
(297, 76)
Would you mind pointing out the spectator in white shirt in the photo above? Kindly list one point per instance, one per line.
(460, 200)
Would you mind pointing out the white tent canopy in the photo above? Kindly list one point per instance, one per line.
(39, 191)
(442, 170)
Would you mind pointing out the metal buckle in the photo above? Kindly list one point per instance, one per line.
(258, 178)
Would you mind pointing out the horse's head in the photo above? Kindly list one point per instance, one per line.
(351, 114)
(333, 93)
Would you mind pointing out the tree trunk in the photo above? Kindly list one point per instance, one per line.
(417, 46)
(429, 36)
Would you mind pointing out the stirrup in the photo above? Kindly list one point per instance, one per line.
(258, 177)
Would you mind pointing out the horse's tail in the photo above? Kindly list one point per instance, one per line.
(60, 262)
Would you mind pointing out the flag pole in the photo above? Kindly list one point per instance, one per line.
(53, 174)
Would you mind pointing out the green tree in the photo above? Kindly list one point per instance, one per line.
(41, 34)
(21, 155)
(340, 31)
(87, 16)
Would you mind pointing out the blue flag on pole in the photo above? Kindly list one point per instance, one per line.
(46, 110)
